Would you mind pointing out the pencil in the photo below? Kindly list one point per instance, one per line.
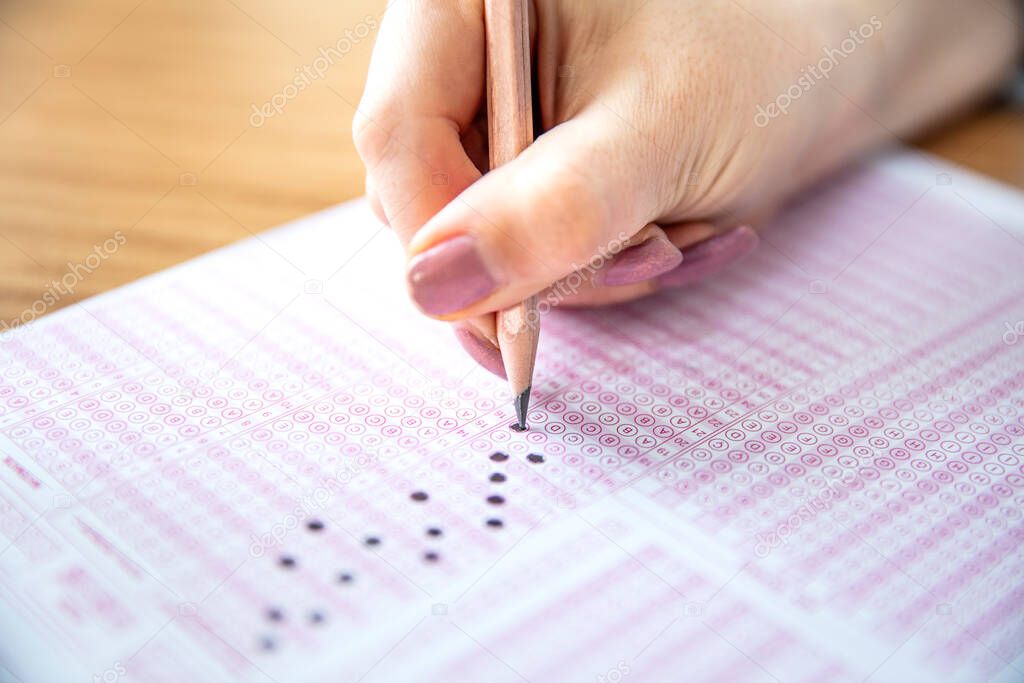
(510, 131)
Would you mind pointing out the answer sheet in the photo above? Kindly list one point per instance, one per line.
(264, 465)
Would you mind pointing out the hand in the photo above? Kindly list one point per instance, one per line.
(658, 148)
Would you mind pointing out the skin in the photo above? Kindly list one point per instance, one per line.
(648, 119)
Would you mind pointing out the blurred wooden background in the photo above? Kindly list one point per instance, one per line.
(138, 116)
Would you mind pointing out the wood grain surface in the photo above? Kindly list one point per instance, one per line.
(151, 118)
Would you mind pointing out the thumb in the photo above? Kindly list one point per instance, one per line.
(577, 194)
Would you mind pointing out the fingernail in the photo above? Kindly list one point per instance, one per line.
(486, 354)
(656, 256)
(450, 277)
(710, 256)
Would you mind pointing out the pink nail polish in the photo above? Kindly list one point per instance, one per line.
(450, 277)
(482, 351)
(644, 261)
(710, 256)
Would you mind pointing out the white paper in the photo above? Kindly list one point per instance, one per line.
(808, 468)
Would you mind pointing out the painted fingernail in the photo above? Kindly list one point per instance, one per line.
(645, 261)
(450, 277)
(710, 256)
(482, 351)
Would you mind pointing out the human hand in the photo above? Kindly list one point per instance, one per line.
(651, 164)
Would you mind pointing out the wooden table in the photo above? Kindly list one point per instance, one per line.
(138, 116)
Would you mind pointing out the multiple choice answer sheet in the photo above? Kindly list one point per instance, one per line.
(264, 465)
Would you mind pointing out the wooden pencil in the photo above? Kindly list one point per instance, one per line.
(510, 131)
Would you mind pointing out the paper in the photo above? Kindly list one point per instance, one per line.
(263, 465)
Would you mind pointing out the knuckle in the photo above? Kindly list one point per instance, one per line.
(373, 137)
(377, 208)
(570, 207)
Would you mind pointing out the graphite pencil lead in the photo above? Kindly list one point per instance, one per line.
(522, 404)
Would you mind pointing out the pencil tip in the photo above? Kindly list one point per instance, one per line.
(522, 404)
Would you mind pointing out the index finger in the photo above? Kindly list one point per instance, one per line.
(425, 87)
